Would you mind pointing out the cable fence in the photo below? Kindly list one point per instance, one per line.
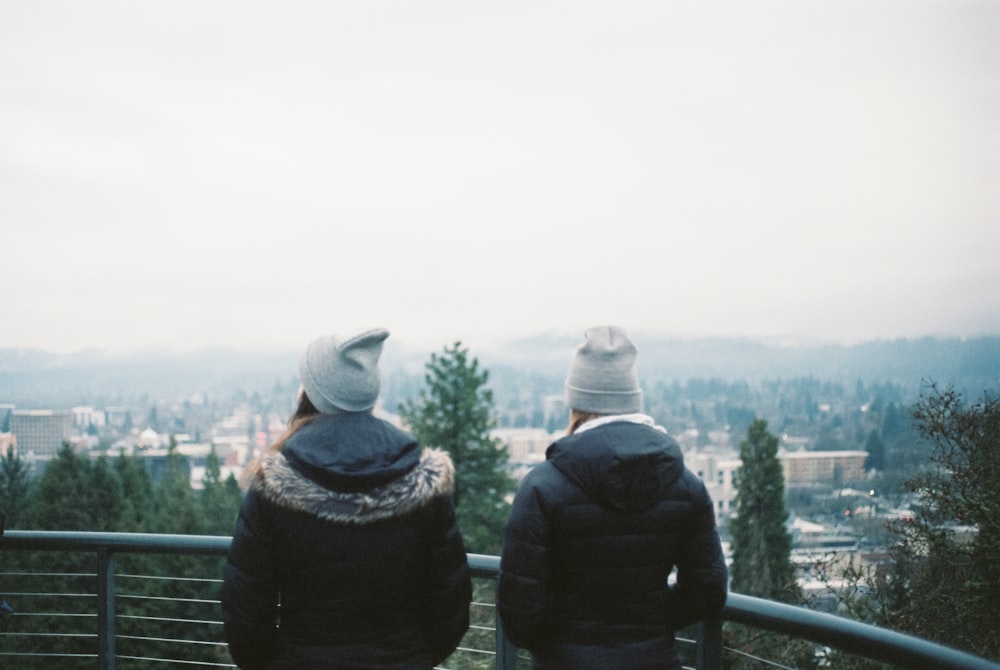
(135, 601)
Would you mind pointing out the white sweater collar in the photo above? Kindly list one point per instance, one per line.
(643, 419)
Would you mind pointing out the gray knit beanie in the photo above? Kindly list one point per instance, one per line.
(342, 374)
(602, 378)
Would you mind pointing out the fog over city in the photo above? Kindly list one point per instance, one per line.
(179, 175)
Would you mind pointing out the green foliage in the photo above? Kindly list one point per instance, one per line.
(454, 412)
(159, 597)
(875, 447)
(177, 507)
(762, 548)
(761, 544)
(904, 449)
(138, 506)
(106, 496)
(946, 581)
(942, 579)
(63, 494)
(15, 487)
(220, 499)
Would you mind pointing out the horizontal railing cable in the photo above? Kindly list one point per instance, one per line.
(203, 622)
(176, 661)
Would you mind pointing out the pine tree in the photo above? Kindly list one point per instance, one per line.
(138, 509)
(186, 596)
(62, 493)
(454, 412)
(178, 509)
(761, 544)
(106, 496)
(762, 547)
(72, 493)
(220, 499)
(15, 487)
(876, 452)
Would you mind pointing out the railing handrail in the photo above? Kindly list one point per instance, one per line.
(872, 642)
(851, 636)
(155, 543)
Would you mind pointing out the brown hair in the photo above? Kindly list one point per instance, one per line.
(304, 413)
(578, 417)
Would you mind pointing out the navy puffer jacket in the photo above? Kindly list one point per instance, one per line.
(350, 527)
(593, 536)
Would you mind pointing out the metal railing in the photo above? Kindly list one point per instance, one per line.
(102, 609)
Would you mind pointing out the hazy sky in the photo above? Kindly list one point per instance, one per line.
(177, 174)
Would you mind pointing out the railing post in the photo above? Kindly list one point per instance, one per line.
(105, 609)
(709, 654)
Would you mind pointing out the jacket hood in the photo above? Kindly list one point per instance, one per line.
(351, 451)
(624, 466)
(318, 473)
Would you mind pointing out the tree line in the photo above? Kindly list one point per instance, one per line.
(157, 595)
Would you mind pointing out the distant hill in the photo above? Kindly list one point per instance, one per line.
(972, 364)
(32, 378)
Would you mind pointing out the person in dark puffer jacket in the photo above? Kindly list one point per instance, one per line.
(597, 529)
(346, 553)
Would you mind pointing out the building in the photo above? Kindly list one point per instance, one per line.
(833, 468)
(718, 471)
(525, 447)
(118, 417)
(813, 468)
(86, 418)
(7, 441)
(40, 433)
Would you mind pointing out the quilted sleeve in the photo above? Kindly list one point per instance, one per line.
(522, 593)
(249, 594)
(702, 577)
(449, 590)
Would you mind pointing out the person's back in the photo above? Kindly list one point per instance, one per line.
(597, 529)
(348, 524)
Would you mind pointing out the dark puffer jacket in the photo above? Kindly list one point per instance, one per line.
(593, 536)
(351, 528)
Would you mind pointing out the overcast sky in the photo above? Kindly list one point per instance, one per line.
(180, 174)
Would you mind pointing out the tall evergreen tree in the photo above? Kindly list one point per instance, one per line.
(761, 544)
(876, 452)
(62, 494)
(105, 497)
(454, 411)
(15, 487)
(138, 507)
(72, 493)
(178, 509)
(220, 499)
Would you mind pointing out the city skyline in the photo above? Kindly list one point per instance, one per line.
(195, 175)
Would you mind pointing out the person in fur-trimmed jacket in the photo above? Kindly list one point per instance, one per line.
(596, 530)
(346, 553)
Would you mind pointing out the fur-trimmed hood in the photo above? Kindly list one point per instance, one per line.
(434, 475)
